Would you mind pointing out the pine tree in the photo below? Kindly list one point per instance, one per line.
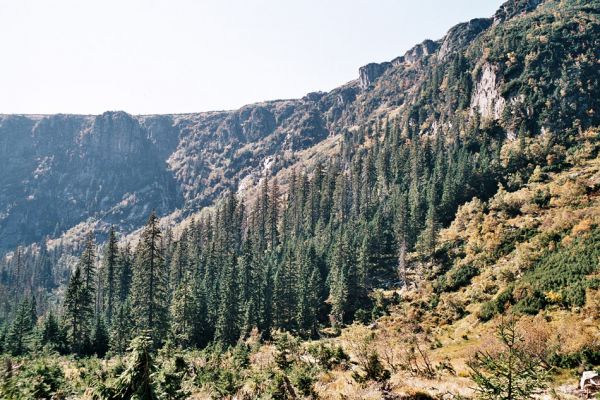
(509, 374)
(52, 333)
(111, 294)
(308, 289)
(33, 314)
(149, 287)
(266, 294)
(125, 274)
(136, 382)
(87, 263)
(188, 315)
(227, 328)
(44, 275)
(338, 282)
(100, 337)
(120, 333)
(19, 334)
(247, 273)
(285, 296)
(180, 262)
(79, 310)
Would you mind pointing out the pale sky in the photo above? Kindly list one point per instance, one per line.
(176, 56)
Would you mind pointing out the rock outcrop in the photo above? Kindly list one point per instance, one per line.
(486, 98)
(513, 8)
(61, 170)
(421, 50)
(370, 72)
(461, 35)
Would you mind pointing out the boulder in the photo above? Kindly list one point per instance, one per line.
(590, 382)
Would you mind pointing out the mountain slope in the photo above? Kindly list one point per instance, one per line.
(375, 237)
(184, 162)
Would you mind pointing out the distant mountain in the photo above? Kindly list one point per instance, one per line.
(61, 170)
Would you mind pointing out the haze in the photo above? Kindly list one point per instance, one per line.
(181, 56)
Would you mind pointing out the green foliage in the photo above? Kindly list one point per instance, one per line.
(303, 377)
(53, 334)
(20, 334)
(497, 306)
(220, 371)
(137, 381)
(585, 358)
(373, 370)
(100, 338)
(170, 376)
(488, 311)
(287, 350)
(78, 306)
(458, 278)
(564, 271)
(509, 373)
(39, 378)
(328, 357)
(149, 296)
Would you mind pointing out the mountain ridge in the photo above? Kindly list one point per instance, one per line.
(198, 155)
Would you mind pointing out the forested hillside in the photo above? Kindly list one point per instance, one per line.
(361, 243)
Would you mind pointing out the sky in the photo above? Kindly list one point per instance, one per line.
(178, 56)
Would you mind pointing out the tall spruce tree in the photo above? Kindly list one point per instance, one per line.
(78, 313)
(19, 334)
(227, 327)
(111, 278)
(149, 295)
(188, 314)
(121, 329)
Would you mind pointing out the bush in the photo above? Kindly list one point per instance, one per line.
(42, 379)
(374, 370)
(564, 273)
(460, 277)
(497, 306)
(288, 348)
(328, 357)
(585, 358)
(487, 311)
(304, 378)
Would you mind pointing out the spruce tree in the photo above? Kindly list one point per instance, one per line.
(121, 329)
(79, 311)
(53, 334)
(510, 373)
(87, 263)
(149, 286)
(285, 295)
(125, 273)
(227, 328)
(308, 289)
(266, 294)
(100, 337)
(19, 334)
(111, 278)
(188, 316)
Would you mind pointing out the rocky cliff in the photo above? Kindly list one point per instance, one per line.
(61, 170)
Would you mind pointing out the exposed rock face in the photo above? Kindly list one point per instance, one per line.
(370, 72)
(421, 50)
(513, 8)
(462, 34)
(115, 168)
(486, 97)
(62, 170)
(58, 171)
